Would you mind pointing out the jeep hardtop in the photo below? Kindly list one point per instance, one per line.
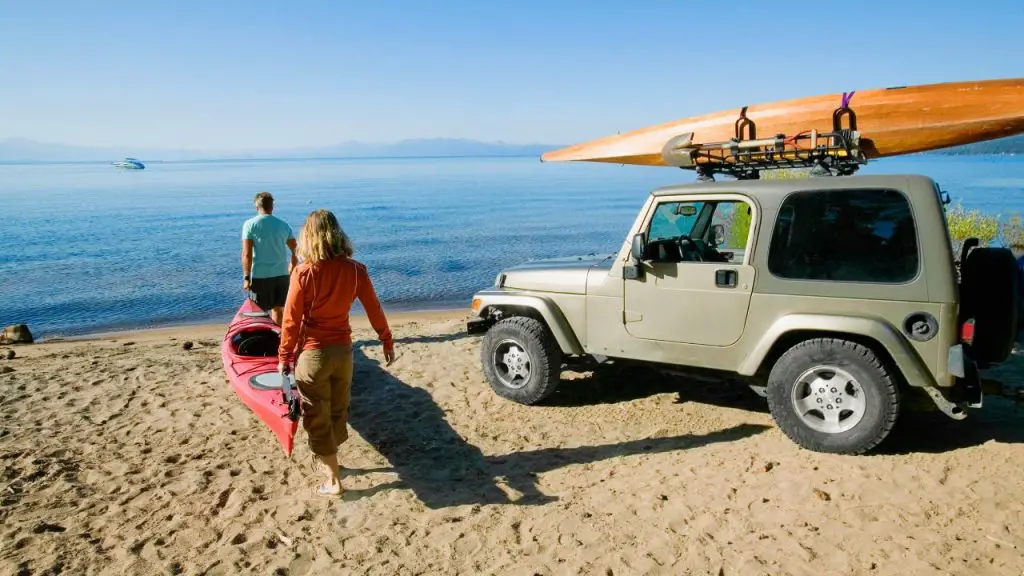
(836, 298)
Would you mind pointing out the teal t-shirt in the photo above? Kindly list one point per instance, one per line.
(270, 253)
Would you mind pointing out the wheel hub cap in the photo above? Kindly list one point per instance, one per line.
(829, 399)
(512, 363)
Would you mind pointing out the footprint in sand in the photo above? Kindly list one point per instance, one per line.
(222, 498)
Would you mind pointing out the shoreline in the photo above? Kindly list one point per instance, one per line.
(204, 328)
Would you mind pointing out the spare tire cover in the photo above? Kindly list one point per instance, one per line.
(990, 294)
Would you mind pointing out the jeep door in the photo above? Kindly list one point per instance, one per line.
(695, 278)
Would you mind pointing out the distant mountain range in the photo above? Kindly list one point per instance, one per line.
(24, 150)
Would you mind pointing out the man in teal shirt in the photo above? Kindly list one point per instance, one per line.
(265, 262)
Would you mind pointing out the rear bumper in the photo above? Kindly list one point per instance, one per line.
(967, 383)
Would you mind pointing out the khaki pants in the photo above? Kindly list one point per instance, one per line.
(324, 380)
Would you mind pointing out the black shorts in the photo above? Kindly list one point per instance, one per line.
(269, 292)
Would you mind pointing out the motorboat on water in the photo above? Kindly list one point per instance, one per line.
(130, 164)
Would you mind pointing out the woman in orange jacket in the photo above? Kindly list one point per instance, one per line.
(316, 327)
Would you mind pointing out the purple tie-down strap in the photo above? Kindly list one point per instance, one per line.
(847, 96)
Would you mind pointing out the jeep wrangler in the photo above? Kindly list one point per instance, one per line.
(838, 299)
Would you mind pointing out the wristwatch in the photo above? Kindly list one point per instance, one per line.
(246, 278)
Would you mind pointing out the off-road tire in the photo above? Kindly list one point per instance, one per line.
(545, 359)
(881, 395)
(990, 294)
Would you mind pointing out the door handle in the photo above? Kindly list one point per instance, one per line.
(726, 278)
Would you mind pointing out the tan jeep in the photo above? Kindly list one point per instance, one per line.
(834, 297)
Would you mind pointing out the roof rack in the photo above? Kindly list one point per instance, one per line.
(830, 153)
(745, 156)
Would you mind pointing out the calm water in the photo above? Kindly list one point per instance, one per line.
(86, 247)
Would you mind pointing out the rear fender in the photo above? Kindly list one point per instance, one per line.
(484, 303)
(906, 359)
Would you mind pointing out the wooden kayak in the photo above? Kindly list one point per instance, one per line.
(249, 353)
(890, 122)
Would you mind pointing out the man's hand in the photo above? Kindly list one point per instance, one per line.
(389, 354)
(246, 285)
(283, 368)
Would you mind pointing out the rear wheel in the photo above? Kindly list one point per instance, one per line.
(521, 360)
(831, 395)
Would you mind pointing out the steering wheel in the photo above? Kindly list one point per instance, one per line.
(687, 244)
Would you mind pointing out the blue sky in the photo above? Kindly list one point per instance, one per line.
(260, 74)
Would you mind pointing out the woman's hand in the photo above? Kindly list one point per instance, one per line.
(389, 355)
(284, 368)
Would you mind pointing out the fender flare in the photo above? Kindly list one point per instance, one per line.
(548, 311)
(906, 358)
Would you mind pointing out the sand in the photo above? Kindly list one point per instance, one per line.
(130, 455)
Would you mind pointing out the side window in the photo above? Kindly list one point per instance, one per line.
(730, 226)
(845, 236)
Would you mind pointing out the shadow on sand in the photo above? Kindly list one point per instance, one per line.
(1001, 420)
(611, 385)
(405, 425)
(453, 337)
(430, 458)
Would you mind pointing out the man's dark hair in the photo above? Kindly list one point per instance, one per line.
(264, 201)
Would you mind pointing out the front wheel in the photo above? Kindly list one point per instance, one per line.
(521, 360)
(831, 395)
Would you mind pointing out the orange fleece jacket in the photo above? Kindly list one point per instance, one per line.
(317, 308)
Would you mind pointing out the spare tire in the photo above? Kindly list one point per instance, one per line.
(1020, 297)
(990, 294)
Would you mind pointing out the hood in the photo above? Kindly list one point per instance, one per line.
(564, 275)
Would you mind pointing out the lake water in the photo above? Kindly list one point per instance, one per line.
(87, 247)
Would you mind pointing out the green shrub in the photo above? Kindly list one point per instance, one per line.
(1011, 234)
(739, 229)
(964, 224)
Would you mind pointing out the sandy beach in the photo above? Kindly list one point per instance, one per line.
(127, 454)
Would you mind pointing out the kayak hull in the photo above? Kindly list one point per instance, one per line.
(250, 369)
(891, 122)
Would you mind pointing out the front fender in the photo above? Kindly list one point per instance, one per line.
(544, 307)
(907, 360)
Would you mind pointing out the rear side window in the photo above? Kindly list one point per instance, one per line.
(865, 235)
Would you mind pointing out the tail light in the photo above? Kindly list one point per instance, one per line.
(967, 332)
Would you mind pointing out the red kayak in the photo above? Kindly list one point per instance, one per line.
(249, 352)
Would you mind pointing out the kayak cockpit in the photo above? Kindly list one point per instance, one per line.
(256, 342)
(259, 342)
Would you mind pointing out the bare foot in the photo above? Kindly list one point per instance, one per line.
(328, 490)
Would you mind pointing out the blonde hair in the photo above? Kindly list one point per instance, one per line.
(322, 238)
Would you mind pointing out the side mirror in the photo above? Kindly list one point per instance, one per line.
(639, 247)
(718, 234)
(632, 271)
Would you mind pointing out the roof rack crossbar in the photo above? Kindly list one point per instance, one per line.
(829, 153)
